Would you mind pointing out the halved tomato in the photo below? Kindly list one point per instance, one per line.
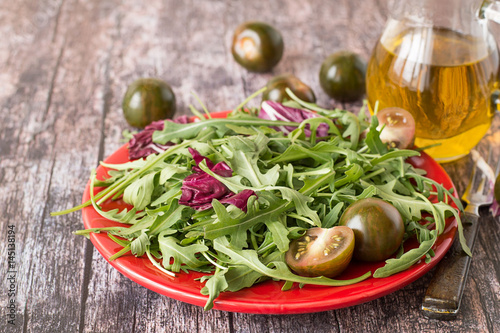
(399, 130)
(321, 252)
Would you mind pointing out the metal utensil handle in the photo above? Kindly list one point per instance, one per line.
(444, 294)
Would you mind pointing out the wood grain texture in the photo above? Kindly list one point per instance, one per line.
(64, 67)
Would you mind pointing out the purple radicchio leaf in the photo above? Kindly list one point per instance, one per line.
(495, 209)
(199, 188)
(239, 200)
(276, 111)
(142, 145)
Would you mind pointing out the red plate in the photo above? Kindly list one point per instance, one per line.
(267, 297)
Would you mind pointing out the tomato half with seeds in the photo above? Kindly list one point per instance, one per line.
(378, 228)
(321, 252)
(398, 127)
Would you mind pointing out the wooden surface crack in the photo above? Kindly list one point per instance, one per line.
(56, 24)
(484, 305)
(25, 317)
(87, 275)
(89, 247)
(230, 322)
(53, 80)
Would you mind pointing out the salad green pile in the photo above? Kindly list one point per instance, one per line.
(299, 181)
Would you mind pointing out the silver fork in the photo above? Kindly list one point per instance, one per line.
(444, 294)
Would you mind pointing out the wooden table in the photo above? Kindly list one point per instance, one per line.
(64, 67)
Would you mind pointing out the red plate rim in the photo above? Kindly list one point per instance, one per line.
(267, 297)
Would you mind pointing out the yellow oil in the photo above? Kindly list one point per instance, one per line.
(445, 79)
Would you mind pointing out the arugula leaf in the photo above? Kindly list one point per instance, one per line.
(407, 260)
(181, 255)
(353, 129)
(239, 277)
(166, 217)
(311, 185)
(235, 278)
(125, 216)
(280, 235)
(173, 130)
(333, 216)
(409, 207)
(321, 153)
(174, 192)
(138, 246)
(373, 140)
(170, 170)
(352, 174)
(300, 202)
(137, 164)
(244, 156)
(139, 192)
(237, 227)
(213, 287)
(395, 154)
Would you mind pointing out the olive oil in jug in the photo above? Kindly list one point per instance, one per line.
(444, 78)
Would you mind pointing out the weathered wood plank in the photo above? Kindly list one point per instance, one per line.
(38, 165)
(153, 49)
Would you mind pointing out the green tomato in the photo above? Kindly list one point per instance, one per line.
(147, 100)
(342, 76)
(378, 228)
(321, 252)
(277, 85)
(257, 46)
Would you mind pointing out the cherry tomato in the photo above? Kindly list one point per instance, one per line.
(378, 228)
(321, 252)
(399, 130)
(257, 46)
(342, 76)
(277, 85)
(147, 100)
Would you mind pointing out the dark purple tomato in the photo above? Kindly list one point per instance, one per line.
(342, 76)
(399, 130)
(378, 228)
(277, 85)
(257, 46)
(147, 100)
(321, 252)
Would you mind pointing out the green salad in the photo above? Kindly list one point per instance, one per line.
(228, 196)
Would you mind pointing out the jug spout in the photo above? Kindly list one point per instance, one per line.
(464, 16)
(438, 60)
(490, 10)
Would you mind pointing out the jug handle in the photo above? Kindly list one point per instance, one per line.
(490, 10)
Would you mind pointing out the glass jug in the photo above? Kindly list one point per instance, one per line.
(438, 60)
